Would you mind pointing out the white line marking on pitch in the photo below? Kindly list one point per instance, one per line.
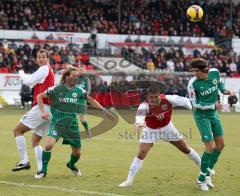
(58, 188)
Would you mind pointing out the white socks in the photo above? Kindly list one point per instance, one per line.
(38, 154)
(22, 149)
(194, 156)
(136, 165)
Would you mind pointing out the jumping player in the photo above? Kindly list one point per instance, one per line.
(154, 115)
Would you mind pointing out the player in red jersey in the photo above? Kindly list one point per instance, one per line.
(41, 80)
(154, 115)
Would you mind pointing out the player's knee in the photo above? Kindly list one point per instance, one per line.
(35, 143)
(220, 146)
(186, 150)
(17, 131)
(210, 148)
(76, 152)
(48, 147)
(142, 154)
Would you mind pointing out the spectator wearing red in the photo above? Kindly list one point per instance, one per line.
(85, 59)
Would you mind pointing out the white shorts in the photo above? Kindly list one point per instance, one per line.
(167, 133)
(33, 120)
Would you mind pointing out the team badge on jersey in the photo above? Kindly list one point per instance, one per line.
(164, 107)
(74, 95)
(54, 133)
(215, 81)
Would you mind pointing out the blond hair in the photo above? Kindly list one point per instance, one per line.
(67, 72)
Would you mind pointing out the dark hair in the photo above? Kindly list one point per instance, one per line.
(43, 51)
(199, 63)
(153, 90)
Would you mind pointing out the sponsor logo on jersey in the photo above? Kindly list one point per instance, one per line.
(55, 133)
(208, 91)
(160, 116)
(67, 100)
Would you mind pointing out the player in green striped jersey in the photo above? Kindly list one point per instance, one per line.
(67, 101)
(203, 92)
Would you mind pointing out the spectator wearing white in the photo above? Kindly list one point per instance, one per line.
(170, 65)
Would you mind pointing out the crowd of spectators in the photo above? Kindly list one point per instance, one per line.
(173, 59)
(12, 55)
(165, 17)
(165, 59)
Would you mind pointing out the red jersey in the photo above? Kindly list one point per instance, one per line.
(159, 115)
(41, 87)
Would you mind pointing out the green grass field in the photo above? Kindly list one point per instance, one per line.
(106, 159)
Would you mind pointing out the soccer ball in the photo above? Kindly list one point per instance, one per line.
(195, 13)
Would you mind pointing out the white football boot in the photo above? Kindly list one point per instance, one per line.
(209, 181)
(202, 185)
(125, 184)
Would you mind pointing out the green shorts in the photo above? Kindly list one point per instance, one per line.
(71, 135)
(209, 127)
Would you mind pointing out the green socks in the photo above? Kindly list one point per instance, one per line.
(207, 163)
(85, 124)
(46, 156)
(213, 159)
(73, 160)
(204, 165)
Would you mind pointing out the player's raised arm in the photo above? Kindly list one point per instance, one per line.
(37, 77)
(40, 98)
(97, 105)
(179, 101)
(221, 85)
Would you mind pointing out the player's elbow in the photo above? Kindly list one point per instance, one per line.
(40, 98)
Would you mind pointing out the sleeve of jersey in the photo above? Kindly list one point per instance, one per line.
(192, 97)
(221, 86)
(141, 113)
(217, 74)
(37, 77)
(88, 86)
(50, 91)
(179, 101)
(85, 93)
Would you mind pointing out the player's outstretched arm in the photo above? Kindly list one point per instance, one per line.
(97, 105)
(37, 77)
(228, 92)
(179, 101)
(40, 98)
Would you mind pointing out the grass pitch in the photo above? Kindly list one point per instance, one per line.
(106, 159)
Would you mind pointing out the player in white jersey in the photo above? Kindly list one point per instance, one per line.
(41, 80)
